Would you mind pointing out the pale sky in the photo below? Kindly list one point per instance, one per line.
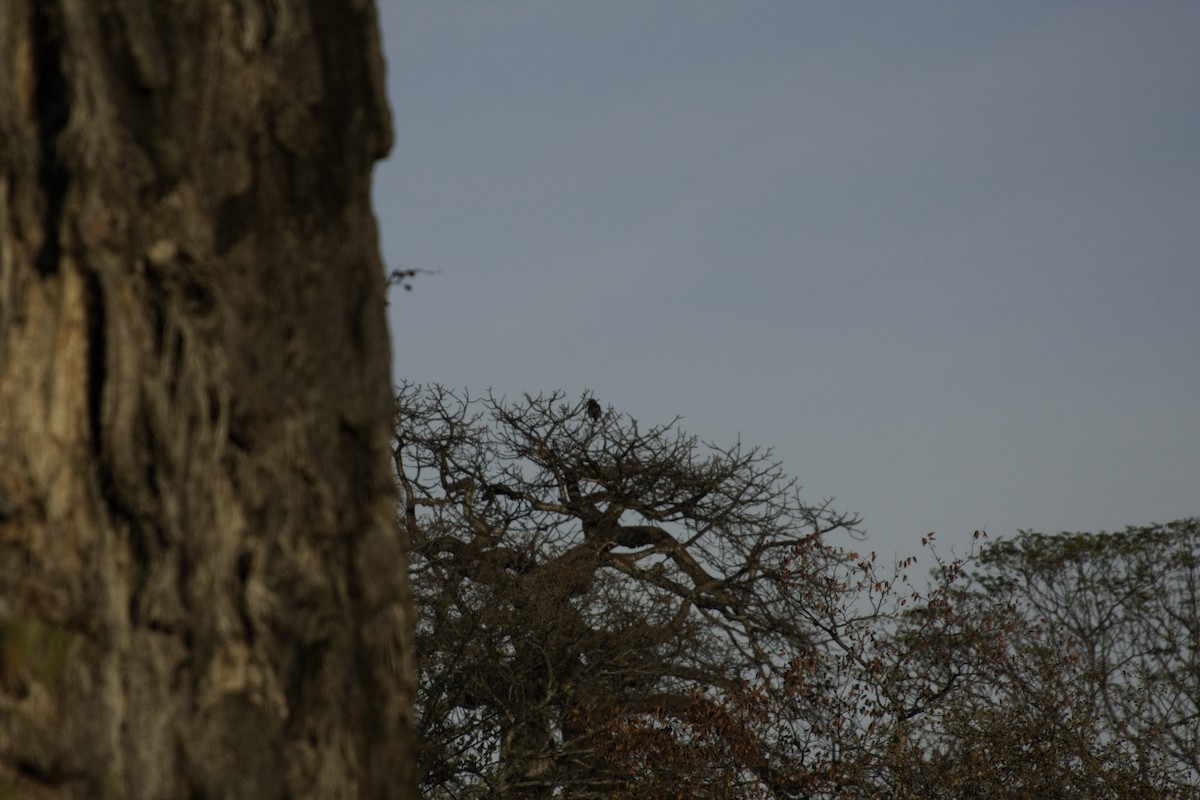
(943, 257)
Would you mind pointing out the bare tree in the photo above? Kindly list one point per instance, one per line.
(575, 572)
(624, 613)
(201, 585)
(1024, 674)
(1127, 606)
(937, 691)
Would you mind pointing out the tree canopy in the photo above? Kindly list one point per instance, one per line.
(575, 570)
(612, 610)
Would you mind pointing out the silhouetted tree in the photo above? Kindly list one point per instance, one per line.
(614, 612)
(575, 574)
(1126, 607)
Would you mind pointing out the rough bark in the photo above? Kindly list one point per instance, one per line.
(201, 585)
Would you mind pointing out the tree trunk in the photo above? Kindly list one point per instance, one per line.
(201, 586)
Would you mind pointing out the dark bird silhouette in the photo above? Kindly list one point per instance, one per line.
(593, 409)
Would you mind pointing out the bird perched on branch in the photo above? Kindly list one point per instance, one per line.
(593, 409)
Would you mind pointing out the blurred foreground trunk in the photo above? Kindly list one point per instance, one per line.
(201, 587)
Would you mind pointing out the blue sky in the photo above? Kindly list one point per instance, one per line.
(943, 257)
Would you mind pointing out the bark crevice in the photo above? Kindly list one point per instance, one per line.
(52, 106)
